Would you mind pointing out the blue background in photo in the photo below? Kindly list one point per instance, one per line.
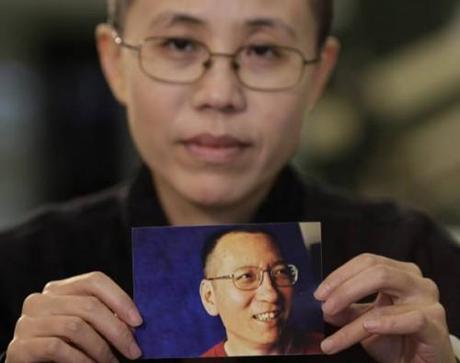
(167, 275)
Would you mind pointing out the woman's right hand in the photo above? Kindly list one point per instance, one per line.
(76, 320)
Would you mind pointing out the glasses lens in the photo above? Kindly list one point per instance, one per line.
(177, 60)
(246, 278)
(269, 67)
(284, 275)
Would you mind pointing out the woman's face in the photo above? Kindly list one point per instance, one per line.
(216, 143)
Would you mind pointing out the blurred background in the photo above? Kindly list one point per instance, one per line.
(388, 126)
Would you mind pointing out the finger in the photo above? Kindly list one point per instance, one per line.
(356, 266)
(91, 310)
(383, 300)
(402, 286)
(348, 314)
(104, 288)
(71, 329)
(356, 332)
(354, 311)
(427, 324)
(44, 350)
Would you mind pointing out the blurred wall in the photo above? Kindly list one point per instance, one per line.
(61, 133)
(389, 123)
(387, 127)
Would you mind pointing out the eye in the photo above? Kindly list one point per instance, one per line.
(263, 51)
(184, 45)
(245, 276)
(282, 271)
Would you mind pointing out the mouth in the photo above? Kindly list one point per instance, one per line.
(215, 149)
(267, 316)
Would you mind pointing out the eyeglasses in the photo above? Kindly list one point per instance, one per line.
(251, 277)
(263, 67)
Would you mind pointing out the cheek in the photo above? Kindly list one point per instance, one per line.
(282, 124)
(234, 302)
(152, 110)
(288, 296)
(148, 105)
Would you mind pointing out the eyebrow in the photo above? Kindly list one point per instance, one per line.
(277, 262)
(169, 19)
(271, 23)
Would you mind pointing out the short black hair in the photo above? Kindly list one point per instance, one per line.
(324, 13)
(116, 13)
(322, 9)
(212, 241)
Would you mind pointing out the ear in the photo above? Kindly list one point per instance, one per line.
(323, 71)
(110, 57)
(208, 298)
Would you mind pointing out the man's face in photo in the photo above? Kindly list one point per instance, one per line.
(255, 318)
(215, 142)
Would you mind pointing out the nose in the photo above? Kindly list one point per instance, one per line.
(267, 290)
(219, 88)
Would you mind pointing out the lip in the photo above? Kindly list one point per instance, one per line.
(213, 149)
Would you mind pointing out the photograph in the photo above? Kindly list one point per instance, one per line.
(238, 290)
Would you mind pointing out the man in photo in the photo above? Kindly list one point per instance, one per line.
(250, 286)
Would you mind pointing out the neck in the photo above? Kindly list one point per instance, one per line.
(182, 212)
(235, 348)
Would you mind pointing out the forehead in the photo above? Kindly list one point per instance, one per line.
(239, 249)
(216, 15)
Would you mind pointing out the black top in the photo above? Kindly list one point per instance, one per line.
(93, 234)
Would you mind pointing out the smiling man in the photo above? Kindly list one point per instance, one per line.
(250, 286)
(215, 93)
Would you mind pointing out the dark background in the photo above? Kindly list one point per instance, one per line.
(387, 127)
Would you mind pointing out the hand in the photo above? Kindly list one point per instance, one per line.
(76, 320)
(405, 324)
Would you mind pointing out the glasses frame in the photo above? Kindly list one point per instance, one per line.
(118, 39)
(261, 274)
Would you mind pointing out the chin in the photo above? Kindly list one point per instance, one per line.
(214, 190)
(215, 196)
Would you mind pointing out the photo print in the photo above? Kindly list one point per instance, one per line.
(231, 290)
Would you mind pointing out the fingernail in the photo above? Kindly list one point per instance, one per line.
(371, 324)
(321, 292)
(327, 346)
(135, 318)
(134, 351)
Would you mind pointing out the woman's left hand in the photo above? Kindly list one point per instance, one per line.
(405, 323)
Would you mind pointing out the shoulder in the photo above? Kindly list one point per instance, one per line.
(381, 225)
(306, 343)
(331, 202)
(65, 239)
(331, 205)
(77, 214)
(217, 350)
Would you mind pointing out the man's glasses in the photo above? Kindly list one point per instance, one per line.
(263, 67)
(251, 277)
